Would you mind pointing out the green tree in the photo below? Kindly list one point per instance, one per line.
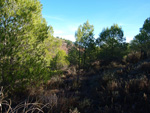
(85, 40)
(142, 40)
(23, 31)
(52, 46)
(112, 43)
(73, 56)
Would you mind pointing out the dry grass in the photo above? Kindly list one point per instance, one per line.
(24, 107)
(54, 83)
(74, 111)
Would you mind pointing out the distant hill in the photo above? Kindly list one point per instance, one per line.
(66, 44)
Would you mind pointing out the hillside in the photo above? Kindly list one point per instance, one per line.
(112, 88)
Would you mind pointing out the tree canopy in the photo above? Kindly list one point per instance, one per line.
(86, 41)
(112, 42)
(27, 44)
(142, 40)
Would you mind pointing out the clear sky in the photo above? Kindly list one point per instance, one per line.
(66, 15)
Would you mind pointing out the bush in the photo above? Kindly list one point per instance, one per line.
(59, 61)
(133, 57)
(145, 67)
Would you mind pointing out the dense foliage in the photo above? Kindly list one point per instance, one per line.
(86, 43)
(142, 40)
(112, 43)
(26, 43)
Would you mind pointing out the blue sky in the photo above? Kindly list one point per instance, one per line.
(66, 15)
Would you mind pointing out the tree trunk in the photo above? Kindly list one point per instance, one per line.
(79, 66)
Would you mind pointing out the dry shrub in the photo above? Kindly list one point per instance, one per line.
(138, 84)
(113, 64)
(24, 107)
(74, 111)
(145, 67)
(133, 57)
(71, 71)
(108, 76)
(27, 106)
(120, 72)
(96, 65)
(85, 103)
(116, 65)
(143, 84)
(35, 91)
(50, 98)
(112, 85)
(54, 83)
(64, 104)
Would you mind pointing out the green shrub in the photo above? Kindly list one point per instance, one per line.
(59, 61)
